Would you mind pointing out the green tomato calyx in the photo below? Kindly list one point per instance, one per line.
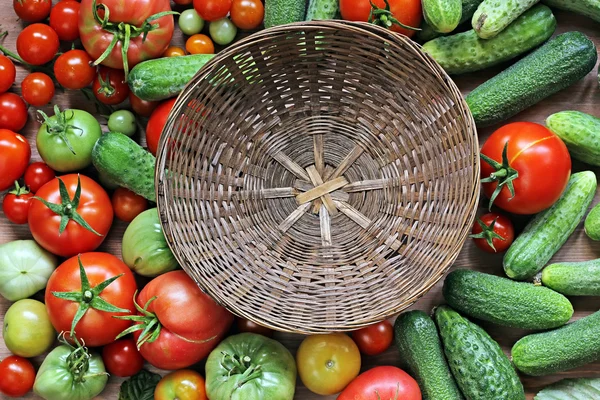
(237, 365)
(59, 125)
(147, 322)
(487, 233)
(19, 190)
(78, 361)
(504, 174)
(105, 88)
(384, 17)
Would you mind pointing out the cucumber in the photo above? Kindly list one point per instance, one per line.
(560, 62)
(573, 278)
(280, 12)
(580, 132)
(506, 302)
(442, 15)
(482, 371)
(165, 77)
(126, 163)
(550, 229)
(321, 9)
(493, 16)
(466, 52)
(589, 8)
(571, 389)
(592, 223)
(427, 33)
(422, 356)
(568, 347)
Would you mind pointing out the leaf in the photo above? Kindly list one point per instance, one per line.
(140, 386)
(571, 389)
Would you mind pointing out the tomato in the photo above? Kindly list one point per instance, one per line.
(174, 51)
(37, 89)
(64, 19)
(247, 14)
(122, 358)
(122, 121)
(183, 2)
(184, 384)
(200, 44)
(374, 339)
(327, 363)
(211, 10)
(142, 107)
(37, 175)
(222, 31)
(93, 208)
(13, 112)
(110, 86)
(383, 382)
(190, 22)
(408, 12)
(493, 233)
(8, 73)
(14, 157)
(68, 291)
(37, 44)
(32, 10)
(16, 204)
(73, 69)
(156, 124)
(17, 375)
(537, 165)
(245, 325)
(127, 205)
(27, 329)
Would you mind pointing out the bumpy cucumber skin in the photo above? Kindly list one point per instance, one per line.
(280, 12)
(321, 9)
(506, 302)
(126, 163)
(481, 369)
(165, 77)
(442, 15)
(580, 132)
(573, 278)
(493, 16)
(568, 347)
(592, 223)
(549, 230)
(589, 8)
(427, 33)
(466, 52)
(421, 354)
(556, 65)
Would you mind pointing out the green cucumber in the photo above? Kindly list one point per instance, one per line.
(592, 223)
(573, 278)
(466, 52)
(280, 12)
(442, 15)
(549, 230)
(422, 356)
(580, 132)
(589, 8)
(427, 33)
(571, 389)
(506, 302)
(568, 347)
(559, 63)
(482, 371)
(126, 163)
(321, 9)
(493, 16)
(165, 77)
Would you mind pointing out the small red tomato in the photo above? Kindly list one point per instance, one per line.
(141, 107)
(14, 157)
(17, 375)
(64, 19)
(110, 86)
(127, 205)
(183, 2)
(374, 339)
(174, 51)
(16, 204)
(493, 233)
(156, 123)
(245, 325)
(247, 14)
(212, 10)
(32, 10)
(8, 73)
(37, 89)
(122, 358)
(13, 112)
(37, 175)
(73, 69)
(37, 44)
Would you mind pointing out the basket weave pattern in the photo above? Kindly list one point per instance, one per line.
(318, 177)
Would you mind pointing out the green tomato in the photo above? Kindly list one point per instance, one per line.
(27, 330)
(145, 249)
(222, 31)
(190, 22)
(122, 121)
(25, 268)
(65, 141)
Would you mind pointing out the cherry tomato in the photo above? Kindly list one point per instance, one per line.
(110, 86)
(127, 205)
(14, 157)
(37, 44)
(122, 358)
(156, 123)
(537, 165)
(16, 204)
(183, 2)
(374, 339)
(13, 112)
(247, 14)
(174, 51)
(142, 107)
(64, 19)
(200, 44)
(211, 10)
(245, 325)
(184, 384)
(493, 233)
(17, 375)
(408, 12)
(37, 175)
(8, 73)
(32, 10)
(385, 382)
(37, 89)
(73, 69)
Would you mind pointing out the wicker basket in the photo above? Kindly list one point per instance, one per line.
(318, 177)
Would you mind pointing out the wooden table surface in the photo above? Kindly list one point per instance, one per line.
(583, 96)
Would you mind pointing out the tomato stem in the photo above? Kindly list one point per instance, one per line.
(384, 17)
(19, 190)
(504, 174)
(241, 365)
(60, 125)
(488, 233)
(147, 322)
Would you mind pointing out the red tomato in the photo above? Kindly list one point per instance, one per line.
(142, 107)
(247, 14)
(532, 151)
(127, 205)
(13, 112)
(200, 44)
(122, 358)
(184, 384)
(17, 375)
(16, 204)
(211, 10)
(73, 69)
(32, 10)
(156, 123)
(379, 383)
(493, 233)
(37, 44)
(37, 89)
(110, 86)
(8, 73)
(183, 2)
(245, 325)
(188, 335)
(374, 339)
(37, 175)
(174, 51)
(408, 12)
(64, 19)
(14, 157)
(93, 207)
(96, 327)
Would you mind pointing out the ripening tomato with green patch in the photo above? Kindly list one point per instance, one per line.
(406, 12)
(185, 384)
(493, 232)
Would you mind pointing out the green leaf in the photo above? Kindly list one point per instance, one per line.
(140, 386)
(571, 389)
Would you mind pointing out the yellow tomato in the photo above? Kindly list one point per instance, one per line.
(174, 51)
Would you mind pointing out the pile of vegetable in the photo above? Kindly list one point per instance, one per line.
(86, 316)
